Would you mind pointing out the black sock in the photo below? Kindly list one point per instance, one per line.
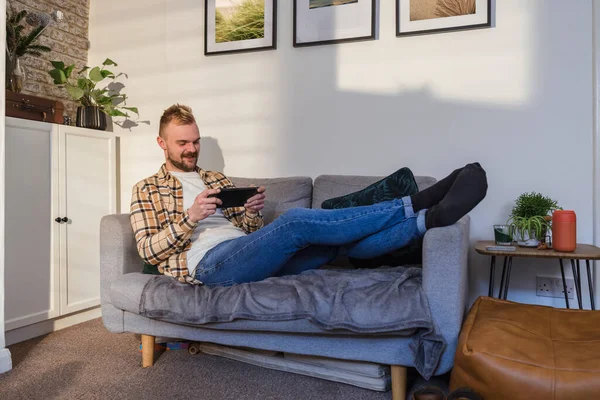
(429, 197)
(469, 188)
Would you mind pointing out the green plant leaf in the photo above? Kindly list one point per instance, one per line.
(18, 30)
(82, 83)
(28, 40)
(58, 64)
(74, 91)
(133, 109)
(108, 61)
(39, 47)
(69, 70)
(83, 70)
(107, 74)
(58, 76)
(117, 113)
(104, 100)
(20, 16)
(96, 75)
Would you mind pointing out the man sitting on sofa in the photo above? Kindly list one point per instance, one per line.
(179, 228)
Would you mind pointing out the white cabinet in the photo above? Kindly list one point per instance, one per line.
(60, 181)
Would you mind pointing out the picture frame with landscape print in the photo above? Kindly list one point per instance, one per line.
(418, 17)
(233, 26)
(318, 22)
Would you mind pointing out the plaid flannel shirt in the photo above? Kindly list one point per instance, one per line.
(163, 229)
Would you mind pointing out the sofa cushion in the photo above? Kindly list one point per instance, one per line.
(329, 186)
(282, 193)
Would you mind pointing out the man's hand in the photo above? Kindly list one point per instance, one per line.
(256, 202)
(204, 206)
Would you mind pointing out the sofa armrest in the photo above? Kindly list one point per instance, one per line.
(118, 256)
(445, 276)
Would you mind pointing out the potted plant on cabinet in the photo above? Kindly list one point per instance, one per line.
(95, 103)
(530, 218)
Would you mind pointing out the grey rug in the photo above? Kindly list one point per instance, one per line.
(88, 362)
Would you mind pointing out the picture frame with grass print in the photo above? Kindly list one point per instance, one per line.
(234, 26)
(419, 17)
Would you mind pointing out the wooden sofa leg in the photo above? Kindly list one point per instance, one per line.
(398, 382)
(147, 351)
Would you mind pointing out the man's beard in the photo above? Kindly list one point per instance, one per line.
(180, 164)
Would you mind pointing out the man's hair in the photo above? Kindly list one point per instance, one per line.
(178, 114)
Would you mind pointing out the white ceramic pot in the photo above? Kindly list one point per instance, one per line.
(528, 239)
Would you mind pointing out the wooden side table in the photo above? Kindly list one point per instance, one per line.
(582, 252)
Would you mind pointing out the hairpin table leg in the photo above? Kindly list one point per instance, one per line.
(492, 274)
(562, 272)
(577, 286)
(589, 275)
(510, 259)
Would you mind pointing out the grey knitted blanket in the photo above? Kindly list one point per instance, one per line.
(387, 301)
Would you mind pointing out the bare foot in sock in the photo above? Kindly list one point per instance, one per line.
(431, 196)
(468, 189)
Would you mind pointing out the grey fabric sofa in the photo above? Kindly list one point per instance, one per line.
(444, 281)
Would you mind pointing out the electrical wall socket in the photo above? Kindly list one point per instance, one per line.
(553, 287)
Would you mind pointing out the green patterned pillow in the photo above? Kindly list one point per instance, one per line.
(150, 269)
(399, 184)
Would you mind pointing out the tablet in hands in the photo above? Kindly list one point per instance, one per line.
(235, 197)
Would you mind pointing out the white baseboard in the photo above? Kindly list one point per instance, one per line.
(52, 325)
(5, 361)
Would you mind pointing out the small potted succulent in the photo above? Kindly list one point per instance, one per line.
(95, 102)
(530, 218)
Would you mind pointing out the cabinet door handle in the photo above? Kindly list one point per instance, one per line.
(65, 219)
(57, 219)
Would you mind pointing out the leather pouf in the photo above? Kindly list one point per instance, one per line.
(517, 351)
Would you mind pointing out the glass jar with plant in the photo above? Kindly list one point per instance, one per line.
(96, 102)
(530, 218)
(20, 43)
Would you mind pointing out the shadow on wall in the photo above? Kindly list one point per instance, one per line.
(527, 106)
(129, 124)
(115, 89)
(211, 156)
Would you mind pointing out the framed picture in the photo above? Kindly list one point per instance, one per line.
(318, 22)
(417, 17)
(233, 26)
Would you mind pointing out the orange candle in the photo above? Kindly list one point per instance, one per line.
(564, 230)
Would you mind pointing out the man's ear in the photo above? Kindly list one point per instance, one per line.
(161, 142)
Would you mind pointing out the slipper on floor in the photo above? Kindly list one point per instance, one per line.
(428, 393)
(464, 394)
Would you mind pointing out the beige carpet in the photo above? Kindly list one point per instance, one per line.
(88, 362)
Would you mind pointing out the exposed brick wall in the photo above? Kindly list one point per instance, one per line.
(68, 41)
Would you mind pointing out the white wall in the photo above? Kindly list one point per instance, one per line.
(5, 359)
(596, 40)
(517, 97)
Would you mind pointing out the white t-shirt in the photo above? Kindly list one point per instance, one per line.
(210, 231)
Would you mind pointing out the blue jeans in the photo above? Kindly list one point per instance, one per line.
(304, 238)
